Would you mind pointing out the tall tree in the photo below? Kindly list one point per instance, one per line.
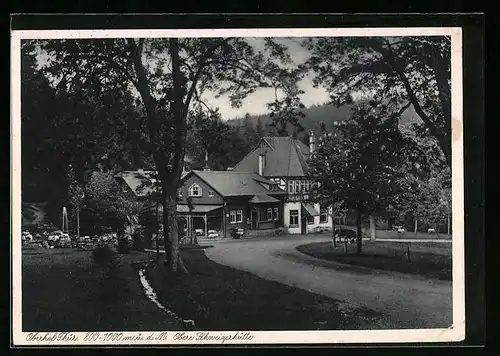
(224, 144)
(399, 72)
(76, 197)
(260, 128)
(104, 198)
(250, 132)
(86, 126)
(426, 199)
(169, 75)
(287, 110)
(357, 168)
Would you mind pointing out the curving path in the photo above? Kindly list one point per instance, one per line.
(407, 301)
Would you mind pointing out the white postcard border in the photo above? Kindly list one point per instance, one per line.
(454, 333)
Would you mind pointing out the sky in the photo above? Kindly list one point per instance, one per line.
(256, 103)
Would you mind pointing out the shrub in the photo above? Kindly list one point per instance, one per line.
(123, 245)
(103, 255)
(138, 240)
(147, 239)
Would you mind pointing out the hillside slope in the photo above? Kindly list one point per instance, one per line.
(314, 116)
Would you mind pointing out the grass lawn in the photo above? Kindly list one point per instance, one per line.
(65, 290)
(217, 297)
(428, 259)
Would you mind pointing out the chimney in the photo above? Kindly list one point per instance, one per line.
(206, 168)
(312, 143)
(261, 164)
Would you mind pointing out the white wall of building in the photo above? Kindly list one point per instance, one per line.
(311, 228)
(317, 224)
(286, 215)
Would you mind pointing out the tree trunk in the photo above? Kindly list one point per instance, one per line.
(171, 233)
(78, 219)
(157, 234)
(373, 229)
(448, 220)
(359, 232)
(333, 230)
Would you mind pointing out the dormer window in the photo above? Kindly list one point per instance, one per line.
(195, 190)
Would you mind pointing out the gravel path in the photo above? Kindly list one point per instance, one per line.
(408, 301)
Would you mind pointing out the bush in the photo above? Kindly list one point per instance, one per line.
(147, 239)
(103, 255)
(123, 245)
(138, 240)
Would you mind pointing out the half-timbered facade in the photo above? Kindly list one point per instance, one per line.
(284, 161)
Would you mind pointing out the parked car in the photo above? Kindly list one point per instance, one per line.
(431, 230)
(212, 234)
(401, 230)
(346, 235)
(236, 232)
(64, 241)
(26, 236)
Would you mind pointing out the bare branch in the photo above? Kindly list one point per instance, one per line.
(145, 92)
(203, 62)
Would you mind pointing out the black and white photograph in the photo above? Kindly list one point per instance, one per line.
(237, 186)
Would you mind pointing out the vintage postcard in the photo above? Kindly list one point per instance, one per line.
(260, 186)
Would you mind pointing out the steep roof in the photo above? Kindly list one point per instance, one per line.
(262, 198)
(284, 157)
(140, 181)
(230, 183)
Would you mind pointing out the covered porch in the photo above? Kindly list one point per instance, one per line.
(201, 220)
(308, 213)
(265, 212)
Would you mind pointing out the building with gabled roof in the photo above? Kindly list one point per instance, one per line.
(284, 160)
(223, 200)
(139, 183)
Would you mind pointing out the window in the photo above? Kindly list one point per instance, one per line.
(269, 214)
(276, 214)
(236, 216)
(211, 193)
(323, 216)
(179, 193)
(124, 187)
(290, 187)
(294, 217)
(310, 220)
(195, 190)
(297, 186)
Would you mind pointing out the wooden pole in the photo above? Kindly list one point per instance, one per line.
(333, 230)
(157, 234)
(206, 226)
(78, 219)
(373, 228)
(448, 219)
